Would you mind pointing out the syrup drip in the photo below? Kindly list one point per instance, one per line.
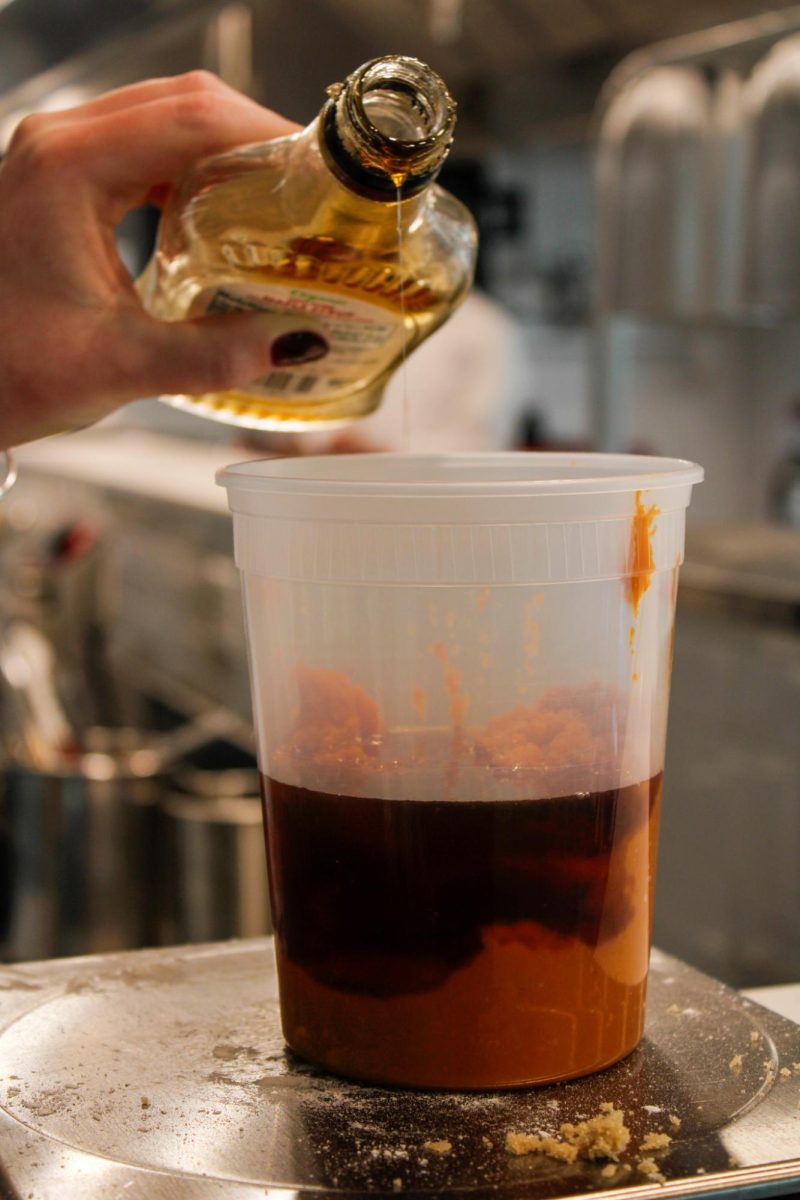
(406, 434)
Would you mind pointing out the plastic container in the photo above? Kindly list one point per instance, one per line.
(460, 672)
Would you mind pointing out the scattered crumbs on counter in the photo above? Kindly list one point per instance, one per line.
(145, 1102)
(487, 1142)
(796, 1068)
(675, 1010)
(603, 1136)
(656, 1141)
(397, 1185)
(532, 1143)
(674, 1121)
(649, 1167)
(438, 1147)
(785, 1073)
(754, 1036)
(736, 1064)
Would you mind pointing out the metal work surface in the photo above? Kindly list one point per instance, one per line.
(162, 1075)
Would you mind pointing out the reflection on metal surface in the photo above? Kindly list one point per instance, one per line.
(698, 180)
(652, 180)
(772, 280)
(163, 1073)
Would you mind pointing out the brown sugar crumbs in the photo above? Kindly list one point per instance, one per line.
(649, 1167)
(438, 1147)
(533, 1143)
(656, 1141)
(603, 1136)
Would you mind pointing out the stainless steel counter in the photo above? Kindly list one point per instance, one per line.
(162, 1075)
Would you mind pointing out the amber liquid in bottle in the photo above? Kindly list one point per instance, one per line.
(340, 226)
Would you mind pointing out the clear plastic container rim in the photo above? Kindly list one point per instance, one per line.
(493, 474)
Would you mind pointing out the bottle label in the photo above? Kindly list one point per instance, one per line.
(363, 338)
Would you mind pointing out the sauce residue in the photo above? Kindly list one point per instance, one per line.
(482, 599)
(642, 563)
(338, 724)
(339, 739)
(458, 699)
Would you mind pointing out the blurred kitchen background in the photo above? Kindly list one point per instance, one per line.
(635, 173)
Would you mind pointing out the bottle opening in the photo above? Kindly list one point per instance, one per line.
(404, 101)
(387, 129)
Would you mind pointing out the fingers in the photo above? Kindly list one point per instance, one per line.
(123, 146)
(218, 353)
(125, 154)
(146, 90)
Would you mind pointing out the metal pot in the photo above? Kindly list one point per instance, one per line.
(214, 875)
(78, 852)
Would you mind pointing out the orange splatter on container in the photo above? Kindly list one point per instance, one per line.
(642, 562)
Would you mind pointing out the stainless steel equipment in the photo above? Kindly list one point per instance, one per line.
(80, 844)
(214, 873)
(83, 854)
(80, 873)
(163, 1074)
(698, 275)
(699, 175)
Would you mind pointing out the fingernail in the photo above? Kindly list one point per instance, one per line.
(301, 346)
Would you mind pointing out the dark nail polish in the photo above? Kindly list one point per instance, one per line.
(301, 346)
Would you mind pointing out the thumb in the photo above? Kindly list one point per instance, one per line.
(212, 354)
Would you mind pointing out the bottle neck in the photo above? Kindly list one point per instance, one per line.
(385, 132)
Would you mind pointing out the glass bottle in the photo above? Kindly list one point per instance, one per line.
(341, 224)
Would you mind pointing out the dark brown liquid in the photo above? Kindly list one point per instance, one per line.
(462, 944)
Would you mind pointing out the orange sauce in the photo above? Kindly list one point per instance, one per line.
(458, 699)
(642, 563)
(546, 980)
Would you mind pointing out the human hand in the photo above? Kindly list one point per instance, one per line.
(75, 341)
